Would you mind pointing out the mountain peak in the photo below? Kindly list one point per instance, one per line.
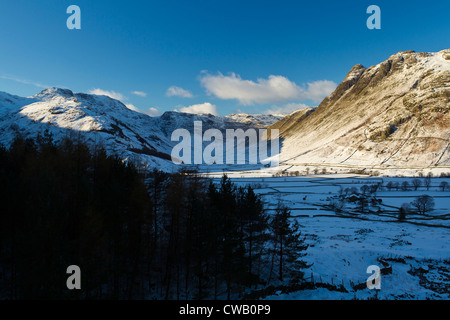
(54, 91)
(355, 72)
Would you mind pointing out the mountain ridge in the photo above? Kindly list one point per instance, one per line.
(103, 120)
(395, 113)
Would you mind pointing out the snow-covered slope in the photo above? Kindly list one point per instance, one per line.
(172, 120)
(254, 120)
(105, 121)
(393, 114)
(10, 102)
(96, 119)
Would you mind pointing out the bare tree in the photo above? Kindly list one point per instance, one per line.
(405, 185)
(427, 181)
(390, 185)
(423, 204)
(444, 185)
(375, 187)
(416, 183)
(337, 205)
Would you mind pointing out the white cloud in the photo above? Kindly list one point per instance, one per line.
(275, 89)
(200, 109)
(139, 93)
(111, 94)
(153, 112)
(179, 92)
(318, 90)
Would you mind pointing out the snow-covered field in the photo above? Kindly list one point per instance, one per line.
(414, 255)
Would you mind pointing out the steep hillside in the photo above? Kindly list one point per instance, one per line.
(393, 114)
(286, 124)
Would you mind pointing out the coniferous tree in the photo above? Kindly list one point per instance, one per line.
(134, 234)
(289, 245)
(255, 224)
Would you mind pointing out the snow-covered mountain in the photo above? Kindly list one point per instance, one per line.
(96, 119)
(393, 114)
(106, 121)
(254, 120)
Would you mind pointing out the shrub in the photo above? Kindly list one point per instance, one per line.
(404, 210)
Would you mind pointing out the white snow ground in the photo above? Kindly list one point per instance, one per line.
(342, 246)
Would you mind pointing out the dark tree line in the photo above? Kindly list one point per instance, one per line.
(135, 234)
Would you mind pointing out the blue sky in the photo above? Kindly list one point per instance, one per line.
(252, 56)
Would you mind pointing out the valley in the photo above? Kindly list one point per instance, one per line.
(343, 244)
(365, 174)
